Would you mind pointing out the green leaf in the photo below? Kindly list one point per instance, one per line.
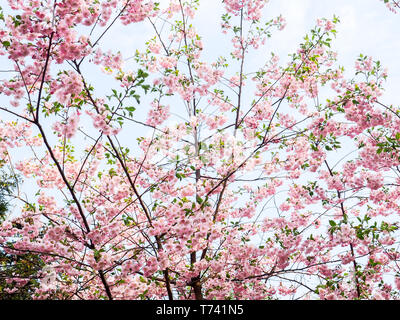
(130, 109)
(6, 44)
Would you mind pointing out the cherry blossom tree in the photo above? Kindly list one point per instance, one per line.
(226, 183)
(393, 5)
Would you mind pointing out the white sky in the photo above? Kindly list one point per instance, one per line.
(367, 27)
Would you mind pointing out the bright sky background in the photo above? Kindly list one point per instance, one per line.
(367, 27)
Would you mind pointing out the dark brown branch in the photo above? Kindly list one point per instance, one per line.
(351, 245)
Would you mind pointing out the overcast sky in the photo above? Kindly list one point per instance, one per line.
(367, 27)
